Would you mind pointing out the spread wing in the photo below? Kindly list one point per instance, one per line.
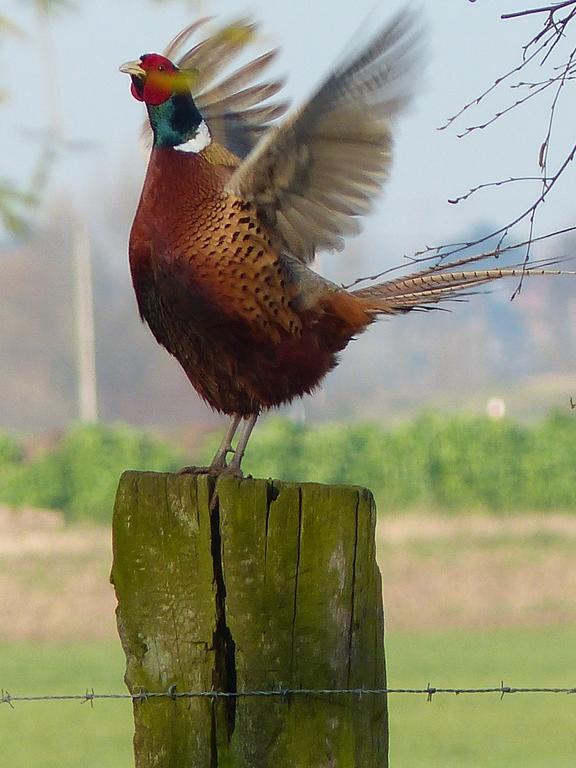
(312, 177)
(235, 105)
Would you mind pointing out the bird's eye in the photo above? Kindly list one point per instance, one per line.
(160, 67)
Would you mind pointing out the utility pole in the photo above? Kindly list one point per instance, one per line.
(84, 316)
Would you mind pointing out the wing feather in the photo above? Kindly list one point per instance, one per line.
(335, 152)
(235, 106)
(240, 78)
(174, 46)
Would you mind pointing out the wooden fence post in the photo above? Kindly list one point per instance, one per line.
(250, 585)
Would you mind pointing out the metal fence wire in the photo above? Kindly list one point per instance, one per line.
(174, 694)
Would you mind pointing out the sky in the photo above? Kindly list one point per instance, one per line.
(468, 46)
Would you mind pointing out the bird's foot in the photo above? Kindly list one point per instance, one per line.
(231, 471)
(214, 470)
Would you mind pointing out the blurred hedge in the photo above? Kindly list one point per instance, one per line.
(434, 461)
(81, 475)
(461, 463)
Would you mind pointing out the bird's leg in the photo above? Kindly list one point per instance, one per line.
(249, 423)
(219, 461)
(225, 447)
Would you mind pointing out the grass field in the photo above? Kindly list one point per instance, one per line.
(528, 731)
(470, 601)
(67, 734)
(521, 731)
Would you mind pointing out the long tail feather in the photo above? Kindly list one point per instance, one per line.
(422, 290)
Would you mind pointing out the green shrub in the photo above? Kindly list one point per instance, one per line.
(81, 475)
(11, 452)
(457, 463)
(448, 463)
(11, 468)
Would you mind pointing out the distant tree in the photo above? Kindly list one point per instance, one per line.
(13, 200)
(19, 201)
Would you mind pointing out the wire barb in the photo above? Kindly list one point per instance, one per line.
(89, 696)
(172, 692)
(142, 695)
(7, 699)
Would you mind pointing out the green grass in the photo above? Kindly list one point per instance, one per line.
(524, 730)
(528, 731)
(64, 734)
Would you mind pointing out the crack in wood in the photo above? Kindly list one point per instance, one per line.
(353, 594)
(272, 494)
(296, 576)
(213, 739)
(224, 672)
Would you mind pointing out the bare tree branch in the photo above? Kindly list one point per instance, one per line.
(538, 51)
(545, 9)
(500, 183)
(495, 253)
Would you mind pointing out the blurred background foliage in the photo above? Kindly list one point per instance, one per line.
(79, 477)
(462, 463)
(435, 462)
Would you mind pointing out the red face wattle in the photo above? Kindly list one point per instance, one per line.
(160, 81)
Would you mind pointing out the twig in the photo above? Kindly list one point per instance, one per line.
(545, 9)
(473, 190)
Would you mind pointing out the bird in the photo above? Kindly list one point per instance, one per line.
(238, 199)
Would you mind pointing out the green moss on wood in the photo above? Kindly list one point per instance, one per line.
(296, 591)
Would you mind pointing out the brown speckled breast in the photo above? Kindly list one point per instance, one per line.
(218, 297)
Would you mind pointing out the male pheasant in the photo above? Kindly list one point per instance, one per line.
(233, 210)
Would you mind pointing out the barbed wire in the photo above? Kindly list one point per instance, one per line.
(172, 693)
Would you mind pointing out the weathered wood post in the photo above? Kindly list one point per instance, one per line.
(250, 585)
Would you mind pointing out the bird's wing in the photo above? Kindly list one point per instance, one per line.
(313, 176)
(235, 106)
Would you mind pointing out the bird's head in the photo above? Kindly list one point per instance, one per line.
(165, 90)
(155, 78)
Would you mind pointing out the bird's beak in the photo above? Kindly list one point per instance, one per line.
(133, 68)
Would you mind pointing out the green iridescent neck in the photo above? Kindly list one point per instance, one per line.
(175, 121)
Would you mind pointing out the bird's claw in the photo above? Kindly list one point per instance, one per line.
(214, 470)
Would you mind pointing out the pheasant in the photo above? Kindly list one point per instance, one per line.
(235, 206)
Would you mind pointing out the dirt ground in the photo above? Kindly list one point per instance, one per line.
(54, 578)
(438, 572)
(475, 571)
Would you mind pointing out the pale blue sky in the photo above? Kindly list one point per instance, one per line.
(468, 48)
